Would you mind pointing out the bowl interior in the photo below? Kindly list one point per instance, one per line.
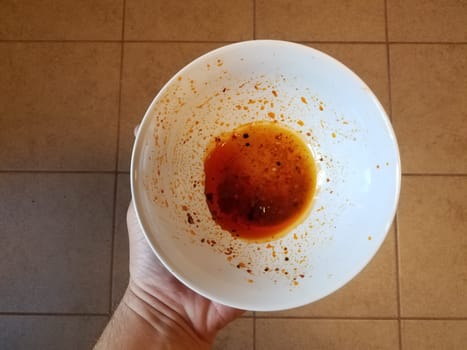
(348, 132)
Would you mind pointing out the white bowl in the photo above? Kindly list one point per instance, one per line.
(358, 178)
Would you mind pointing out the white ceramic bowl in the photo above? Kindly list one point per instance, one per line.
(358, 178)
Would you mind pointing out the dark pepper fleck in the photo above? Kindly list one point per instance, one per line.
(190, 219)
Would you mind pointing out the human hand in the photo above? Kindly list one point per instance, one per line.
(150, 281)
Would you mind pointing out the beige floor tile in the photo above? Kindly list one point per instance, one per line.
(433, 246)
(310, 20)
(369, 61)
(55, 239)
(429, 84)
(50, 332)
(434, 335)
(272, 334)
(189, 20)
(58, 106)
(372, 293)
(61, 20)
(427, 20)
(121, 272)
(237, 335)
(146, 68)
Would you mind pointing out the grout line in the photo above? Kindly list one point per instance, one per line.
(435, 174)
(114, 209)
(120, 41)
(254, 19)
(112, 243)
(119, 113)
(388, 63)
(434, 318)
(306, 42)
(130, 41)
(67, 314)
(254, 330)
(19, 171)
(356, 318)
(395, 222)
(123, 20)
(335, 318)
(428, 42)
(60, 41)
(386, 22)
(233, 41)
(398, 284)
(400, 334)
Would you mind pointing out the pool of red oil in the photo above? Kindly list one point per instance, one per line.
(260, 180)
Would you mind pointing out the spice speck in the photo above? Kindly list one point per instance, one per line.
(190, 219)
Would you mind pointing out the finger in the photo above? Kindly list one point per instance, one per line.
(135, 131)
(134, 228)
(131, 219)
(135, 232)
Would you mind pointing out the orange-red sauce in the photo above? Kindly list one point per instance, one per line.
(260, 180)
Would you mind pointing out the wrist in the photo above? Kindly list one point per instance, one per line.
(163, 321)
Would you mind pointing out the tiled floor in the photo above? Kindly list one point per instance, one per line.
(75, 77)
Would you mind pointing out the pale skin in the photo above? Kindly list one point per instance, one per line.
(157, 311)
